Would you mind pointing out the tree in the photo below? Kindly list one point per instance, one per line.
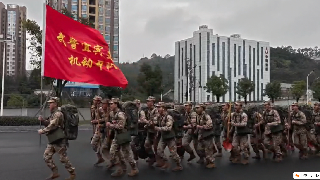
(217, 86)
(16, 101)
(273, 90)
(35, 32)
(244, 88)
(298, 89)
(150, 81)
(316, 90)
(110, 92)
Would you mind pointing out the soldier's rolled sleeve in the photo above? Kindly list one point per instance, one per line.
(54, 122)
(121, 121)
(168, 125)
(142, 115)
(209, 124)
(243, 122)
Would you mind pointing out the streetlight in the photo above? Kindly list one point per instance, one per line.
(5, 40)
(308, 85)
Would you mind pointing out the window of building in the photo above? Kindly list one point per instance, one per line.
(84, 15)
(208, 55)
(179, 60)
(115, 48)
(239, 60)
(74, 8)
(182, 61)
(223, 57)
(213, 53)
(199, 47)
(218, 53)
(116, 38)
(235, 60)
(200, 75)
(258, 54)
(83, 8)
(249, 62)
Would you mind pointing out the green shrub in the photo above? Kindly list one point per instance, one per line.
(18, 121)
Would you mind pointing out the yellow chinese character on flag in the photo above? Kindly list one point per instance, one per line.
(87, 62)
(86, 47)
(97, 50)
(73, 43)
(60, 38)
(109, 56)
(99, 64)
(111, 65)
(74, 61)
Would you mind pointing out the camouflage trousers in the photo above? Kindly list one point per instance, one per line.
(186, 140)
(205, 146)
(171, 143)
(105, 147)
(96, 141)
(276, 139)
(151, 141)
(217, 141)
(256, 143)
(241, 141)
(116, 152)
(318, 138)
(311, 137)
(61, 149)
(300, 140)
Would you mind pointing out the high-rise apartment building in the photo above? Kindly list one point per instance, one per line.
(206, 54)
(11, 19)
(104, 14)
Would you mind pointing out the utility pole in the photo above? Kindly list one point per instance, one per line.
(190, 79)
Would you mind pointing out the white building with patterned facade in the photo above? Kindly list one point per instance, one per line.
(206, 54)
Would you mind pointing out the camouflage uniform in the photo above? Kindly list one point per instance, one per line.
(239, 119)
(205, 136)
(120, 126)
(141, 123)
(224, 117)
(299, 131)
(272, 119)
(189, 134)
(311, 134)
(60, 146)
(152, 139)
(316, 120)
(165, 128)
(256, 137)
(217, 134)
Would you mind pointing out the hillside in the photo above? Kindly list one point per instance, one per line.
(287, 65)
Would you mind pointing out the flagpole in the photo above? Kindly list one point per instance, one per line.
(42, 60)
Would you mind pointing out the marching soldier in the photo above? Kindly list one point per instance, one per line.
(316, 120)
(239, 120)
(225, 117)
(57, 142)
(141, 123)
(121, 141)
(256, 138)
(151, 139)
(217, 134)
(99, 124)
(204, 129)
(298, 122)
(311, 134)
(189, 134)
(165, 128)
(273, 131)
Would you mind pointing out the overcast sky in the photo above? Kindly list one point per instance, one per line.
(152, 26)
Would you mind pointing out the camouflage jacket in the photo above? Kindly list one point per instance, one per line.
(270, 118)
(316, 118)
(141, 119)
(96, 112)
(224, 117)
(119, 121)
(239, 119)
(164, 122)
(54, 121)
(300, 119)
(151, 114)
(189, 116)
(202, 120)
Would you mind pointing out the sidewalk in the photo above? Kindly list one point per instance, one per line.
(84, 127)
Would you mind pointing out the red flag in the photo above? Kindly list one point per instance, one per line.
(78, 53)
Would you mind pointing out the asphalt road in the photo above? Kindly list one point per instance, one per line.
(21, 159)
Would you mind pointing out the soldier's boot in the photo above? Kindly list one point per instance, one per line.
(278, 158)
(165, 166)
(210, 165)
(72, 176)
(54, 174)
(192, 157)
(245, 161)
(100, 160)
(257, 156)
(201, 160)
(123, 165)
(219, 154)
(264, 154)
(159, 162)
(135, 156)
(236, 159)
(118, 172)
(304, 154)
(231, 156)
(300, 154)
(110, 166)
(178, 167)
(134, 170)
